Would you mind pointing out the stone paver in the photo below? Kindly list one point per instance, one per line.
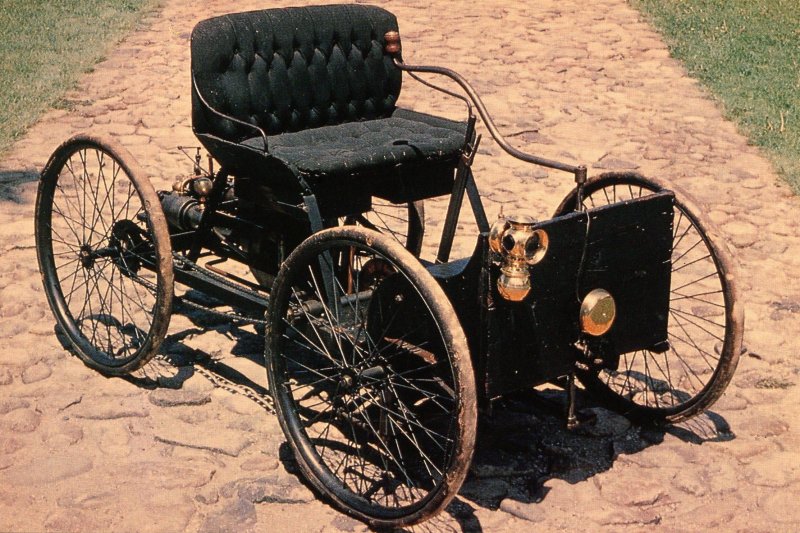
(579, 81)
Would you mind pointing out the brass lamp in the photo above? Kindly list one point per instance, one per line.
(520, 245)
(598, 311)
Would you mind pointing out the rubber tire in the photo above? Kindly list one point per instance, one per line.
(734, 314)
(92, 355)
(451, 330)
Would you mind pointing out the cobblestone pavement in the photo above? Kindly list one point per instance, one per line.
(578, 81)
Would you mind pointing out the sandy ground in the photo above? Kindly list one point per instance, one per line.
(189, 444)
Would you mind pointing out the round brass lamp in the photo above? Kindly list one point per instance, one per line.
(598, 311)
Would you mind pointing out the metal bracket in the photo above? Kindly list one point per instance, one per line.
(453, 209)
(314, 215)
(472, 150)
(572, 420)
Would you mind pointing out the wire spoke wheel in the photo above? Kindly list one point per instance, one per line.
(405, 223)
(371, 376)
(103, 251)
(705, 322)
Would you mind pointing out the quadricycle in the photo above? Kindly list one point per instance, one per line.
(377, 360)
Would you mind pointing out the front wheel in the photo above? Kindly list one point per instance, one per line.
(371, 376)
(705, 324)
(104, 254)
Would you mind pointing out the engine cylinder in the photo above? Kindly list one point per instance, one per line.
(182, 212)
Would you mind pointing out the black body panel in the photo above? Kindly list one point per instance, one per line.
(625, 248)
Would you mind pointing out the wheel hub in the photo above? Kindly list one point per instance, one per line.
(350, 381)
(347, 381)
(86, 256)
(374, 373)
(126, 241)
(374, 271)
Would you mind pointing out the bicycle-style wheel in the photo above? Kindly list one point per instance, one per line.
(405, 223)
(705, 324)
(104, 254)
(371, 376)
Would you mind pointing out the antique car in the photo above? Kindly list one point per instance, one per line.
(379, 361)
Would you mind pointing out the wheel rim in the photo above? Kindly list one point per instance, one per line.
(98, 256)
(704, 332)
(375, 410)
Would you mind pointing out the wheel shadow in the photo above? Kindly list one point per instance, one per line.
(11, 182)
(522, 441)
(177, 361)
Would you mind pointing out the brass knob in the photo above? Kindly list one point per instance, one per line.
(392, 39)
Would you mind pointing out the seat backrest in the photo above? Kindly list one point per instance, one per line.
(291, 69)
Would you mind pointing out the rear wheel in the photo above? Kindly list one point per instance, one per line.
(405, 223)
(104, 254)
(371, 377)
(705, 324)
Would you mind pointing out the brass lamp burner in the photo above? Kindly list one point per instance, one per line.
(520, 245)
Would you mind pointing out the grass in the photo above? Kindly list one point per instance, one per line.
(45, 45)
(746, 53)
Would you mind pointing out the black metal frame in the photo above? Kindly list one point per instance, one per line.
(468, 283)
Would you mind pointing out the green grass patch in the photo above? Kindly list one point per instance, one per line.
(747, 53)
(45, 45)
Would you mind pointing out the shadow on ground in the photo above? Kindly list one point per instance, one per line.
(522, 443)
(525, 443)
(10, 182)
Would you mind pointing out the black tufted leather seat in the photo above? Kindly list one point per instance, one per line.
(317, 82)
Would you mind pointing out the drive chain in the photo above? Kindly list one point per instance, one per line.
(262, 400)
(182, 262)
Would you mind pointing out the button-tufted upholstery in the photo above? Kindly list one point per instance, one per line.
(359, 145)
(317, 81)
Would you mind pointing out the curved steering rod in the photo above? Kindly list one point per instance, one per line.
(393, 47)
(578, 171)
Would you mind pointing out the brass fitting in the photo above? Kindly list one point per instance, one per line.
(392, 42)
(520, 245)
(598, 311)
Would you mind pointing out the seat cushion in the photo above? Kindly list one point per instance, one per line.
(406, 139)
